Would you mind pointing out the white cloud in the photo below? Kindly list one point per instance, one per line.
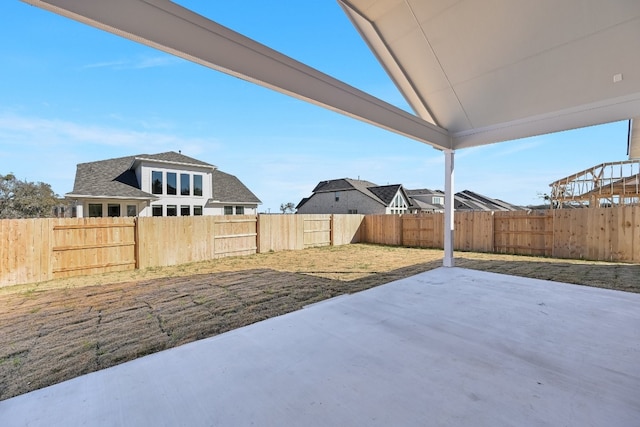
(34, 130)
(139, 63)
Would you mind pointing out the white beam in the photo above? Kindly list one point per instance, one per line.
(607, 111)
(171, 28)
(448, 208)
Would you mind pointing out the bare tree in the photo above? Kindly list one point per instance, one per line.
(287, 207)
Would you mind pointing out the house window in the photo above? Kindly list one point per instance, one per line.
(185, 210)
(197, 210)
(228, 210)
(437, 200)
(197, 185)
(172, 210)
(185, 184)
(113, 210)
(353, 211)
(156, 210)
(337, 196)
(156, 182)
(171, 183)
(398, 205)
(132, 210)
(95, 210)
(239, 210)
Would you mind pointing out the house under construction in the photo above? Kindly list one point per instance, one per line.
(604, 185)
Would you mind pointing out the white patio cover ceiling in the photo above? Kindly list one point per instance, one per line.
(504, 69)
(475, 72)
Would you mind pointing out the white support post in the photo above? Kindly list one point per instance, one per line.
(448, 208)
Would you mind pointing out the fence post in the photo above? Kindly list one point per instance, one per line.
(257, 233)
(136, 241)
(331, 224)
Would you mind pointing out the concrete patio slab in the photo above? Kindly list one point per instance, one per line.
(449, 347)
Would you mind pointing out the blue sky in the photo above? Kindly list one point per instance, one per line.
(71, 93)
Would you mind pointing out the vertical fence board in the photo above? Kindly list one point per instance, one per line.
(383, 229)
(346, 229)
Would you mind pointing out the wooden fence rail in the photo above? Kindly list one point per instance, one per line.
(35, 250)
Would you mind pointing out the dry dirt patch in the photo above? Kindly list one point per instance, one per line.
(54, 331)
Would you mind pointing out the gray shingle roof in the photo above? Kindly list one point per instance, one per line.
(386, 193)
(228, 188)
(108, 178)
(173, 157)
(342, 184)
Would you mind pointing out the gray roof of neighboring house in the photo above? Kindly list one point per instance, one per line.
(484, 202)
(345, 184)
(386, 193)
(463, 200)
(228, 188)
(426, 206)
(108, 178)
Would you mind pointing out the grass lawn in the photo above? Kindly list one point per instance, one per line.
(57, 330)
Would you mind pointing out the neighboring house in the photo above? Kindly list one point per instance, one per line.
(353, 196)
(432, 201)
(425, 200)
(164, 184)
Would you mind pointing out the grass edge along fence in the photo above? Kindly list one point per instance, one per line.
(35, 250)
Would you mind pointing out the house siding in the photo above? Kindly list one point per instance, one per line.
(325, 203)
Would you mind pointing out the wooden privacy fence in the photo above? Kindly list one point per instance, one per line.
(36, 250)
(294, 232)
(605, 234)
(164, 241)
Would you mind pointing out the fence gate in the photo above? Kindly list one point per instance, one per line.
(316, 230)
(93, 245)
(524, 234)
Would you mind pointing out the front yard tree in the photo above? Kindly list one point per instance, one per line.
(287, 207)
(23, 199)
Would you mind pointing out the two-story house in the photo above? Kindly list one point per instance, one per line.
(164, 184)
(354, 196)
